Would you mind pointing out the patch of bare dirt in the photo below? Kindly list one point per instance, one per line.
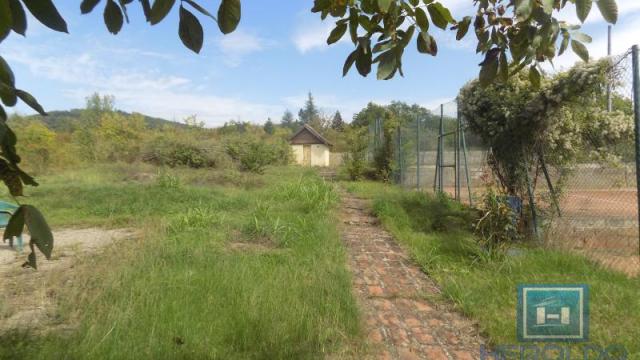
(26, 298)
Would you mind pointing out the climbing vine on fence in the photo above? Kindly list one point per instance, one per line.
(561, 121)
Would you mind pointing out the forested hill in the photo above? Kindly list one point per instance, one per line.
(66, 119)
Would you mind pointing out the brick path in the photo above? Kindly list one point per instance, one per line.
(391, 290)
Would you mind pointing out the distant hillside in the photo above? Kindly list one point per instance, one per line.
(66, 120)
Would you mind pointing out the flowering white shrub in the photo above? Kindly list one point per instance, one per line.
(564, 120)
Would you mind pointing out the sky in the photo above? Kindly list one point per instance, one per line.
(274, 59)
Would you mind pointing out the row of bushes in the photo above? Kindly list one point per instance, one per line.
(117, 138)
(247, 153)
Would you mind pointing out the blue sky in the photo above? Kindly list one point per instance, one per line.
(277, 55)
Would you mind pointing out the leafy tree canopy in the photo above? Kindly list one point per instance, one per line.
(559, 122)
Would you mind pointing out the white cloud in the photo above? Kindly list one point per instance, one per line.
(309, 37)
(136, 88)
(237, 45)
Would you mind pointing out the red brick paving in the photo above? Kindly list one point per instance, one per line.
(391, 290)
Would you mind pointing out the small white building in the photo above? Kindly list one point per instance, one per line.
(310, 148)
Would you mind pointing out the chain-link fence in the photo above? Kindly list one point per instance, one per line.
(599, 204)
(594, 212)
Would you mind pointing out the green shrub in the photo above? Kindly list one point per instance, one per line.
(254, 155)
(174, 152)
(355, 160)
(497, 227)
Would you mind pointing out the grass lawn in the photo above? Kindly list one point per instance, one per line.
(228, 266)
(436, 233)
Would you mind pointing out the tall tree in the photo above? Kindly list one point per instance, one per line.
(309, 112)
(337, 123)
(288, 120)
(268, 127)
(84, 135)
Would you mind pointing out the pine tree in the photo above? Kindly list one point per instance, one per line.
(288, 120)
(337, 123)
(310, 112)
(268, 127)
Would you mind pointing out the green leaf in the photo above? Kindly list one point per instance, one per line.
(8, 142)
(39, 230)
(365, 23)
(580, 50)
(202, 10)
(609, 10)
(159, 10)
(6, 21)
(463, 27)
(15, 226)
(388, 64)
(146, 9)
(337, 33)
(364, 59)
(18, 16)
(190, 30)
(524, 8)
(422, 20)
(8, 94)
(440, 16)
(351, 59)
(113, 17)
(583, 8)
(384, 5)
(229, 15)
(47, 14)
(87, 6)
(534, 77)
(11, 179)
(353, 25)
(31, 260)
(582, 37)
(564, 45)
(427, 44)
(26, 178)
(489, 67)
(31, 101)
(547, 6)
(407, 36)
(6, 75)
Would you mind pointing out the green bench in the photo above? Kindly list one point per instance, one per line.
(6, 210)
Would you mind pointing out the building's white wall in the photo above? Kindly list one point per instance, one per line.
(298, 153)
(319, 155)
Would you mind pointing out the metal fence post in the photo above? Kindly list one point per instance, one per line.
(418, 152)
(635, 58)
(609, 98)
(457, 155)
(441, 151)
